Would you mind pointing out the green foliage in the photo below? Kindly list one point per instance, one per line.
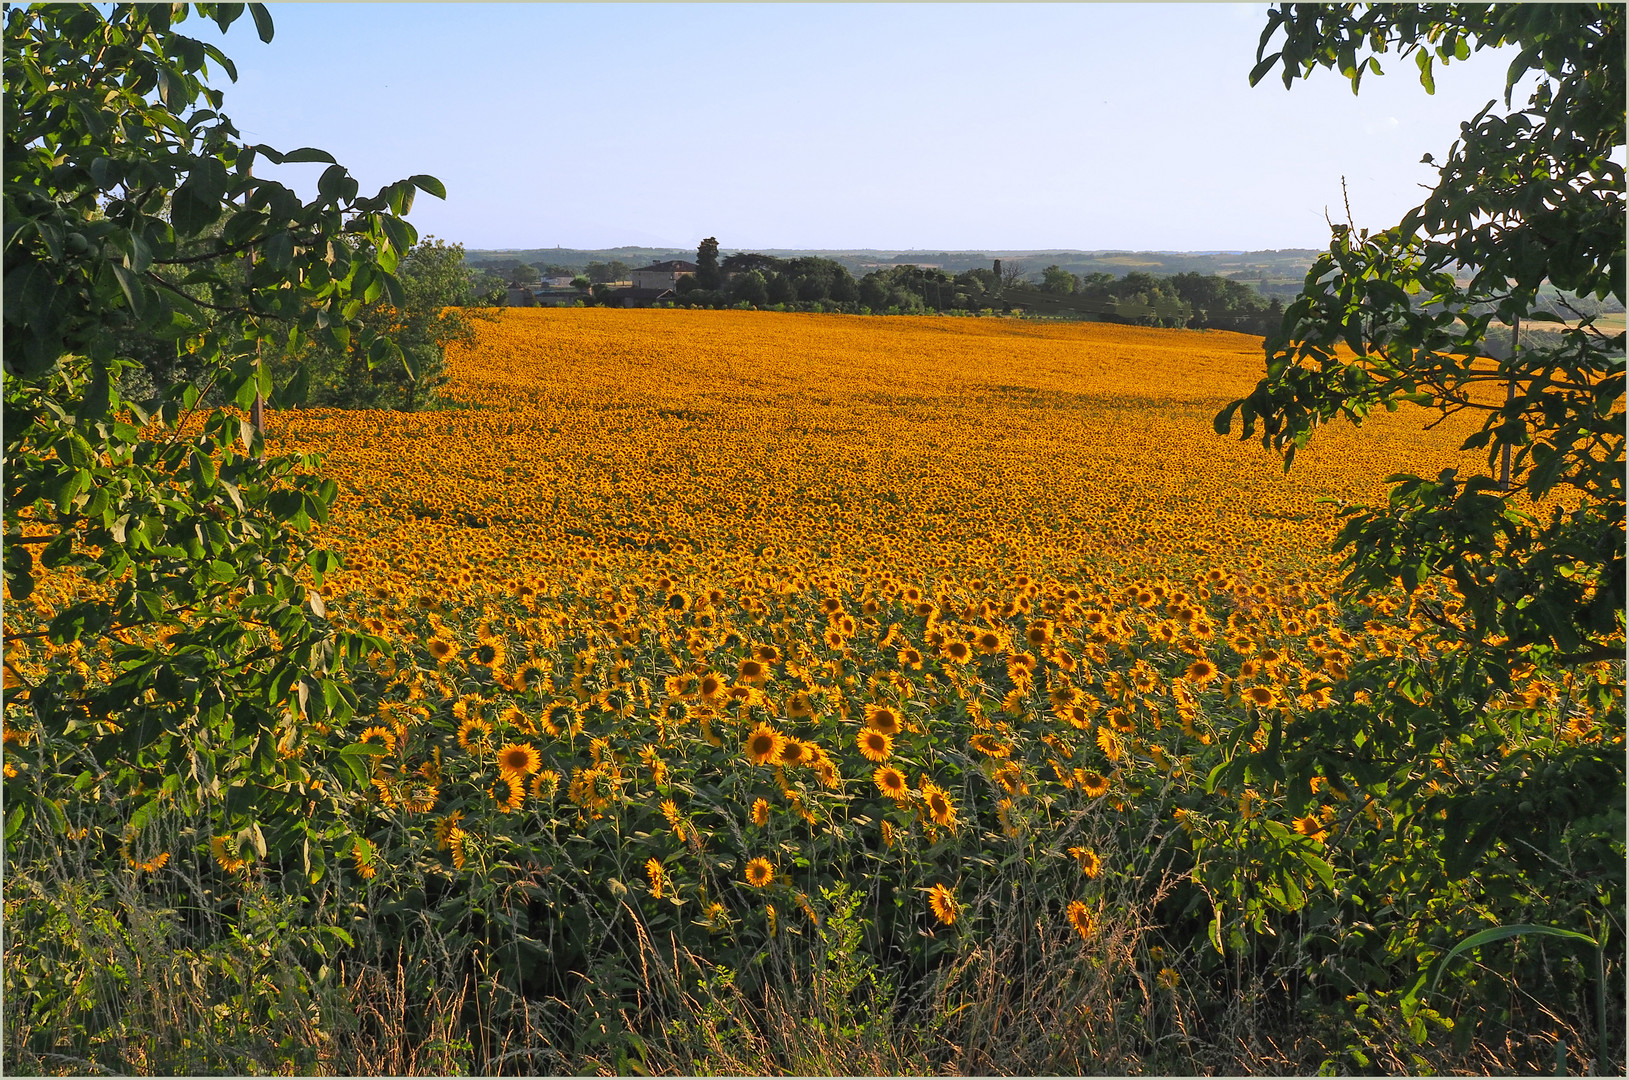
(708, 275)
(599, 273)
(441, 298)
(1512, 573)
(130, 209)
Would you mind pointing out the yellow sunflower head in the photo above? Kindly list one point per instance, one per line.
(943, 904)
(508, 791)
(875, 745)
(938, 804)
(760, 873)
(1081, 919)
(519, 759)
(883, 718)
(892, 783)
(472, 734)
(765, 744)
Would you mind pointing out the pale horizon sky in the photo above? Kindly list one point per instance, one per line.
(891, 126)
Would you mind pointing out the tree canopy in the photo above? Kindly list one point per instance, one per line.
(133, 212)
(1516, 570)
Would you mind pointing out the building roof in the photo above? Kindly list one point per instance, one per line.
(672, 266)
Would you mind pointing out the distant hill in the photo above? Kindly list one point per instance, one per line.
(1272, 272)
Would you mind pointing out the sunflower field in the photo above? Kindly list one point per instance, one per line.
(749, 691)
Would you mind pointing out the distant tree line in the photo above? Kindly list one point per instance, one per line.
(750, 280)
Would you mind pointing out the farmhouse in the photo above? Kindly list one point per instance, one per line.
(663, 275)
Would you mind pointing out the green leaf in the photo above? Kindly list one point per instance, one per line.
(263, 21)
(1422, 60)
(1500, 933)
(278, 251)
(1261, 69)
(429, 185)
(304, 155)
(134, 294)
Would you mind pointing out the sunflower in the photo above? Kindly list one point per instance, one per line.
(989, 643)
(657, 876)
(940, 808)
(760, 812)
(1011, 778)
(227, 854)
(910, 658)
(1094, 784)
(559, 716)
(989, 745)
(545, 784)
(682, 685)
(1039, 633)
(958, 652)
(1090, 864)
(875, 745)
(753, 671)
(1077, 716)
(1081, 919)
(455, 844)
(796, 752)
(834, 638)
(883, 718)
(519, 760)
(1110, 743)
(362, 858)
(445, 828)
(670, 810)
(1261, 697)
(383, 734)
(1310, 826)
(468, 737)
(712, 686)
(892, 783)
(1201, 671)
(508, 791)
(418, 796)
(765, 744)
(760, 873)
(800, 706)
(440, 648)
(943, 904)
(488, 652)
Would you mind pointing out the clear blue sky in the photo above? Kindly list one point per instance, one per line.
(958, 126)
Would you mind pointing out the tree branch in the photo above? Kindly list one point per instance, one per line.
(229, 250)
